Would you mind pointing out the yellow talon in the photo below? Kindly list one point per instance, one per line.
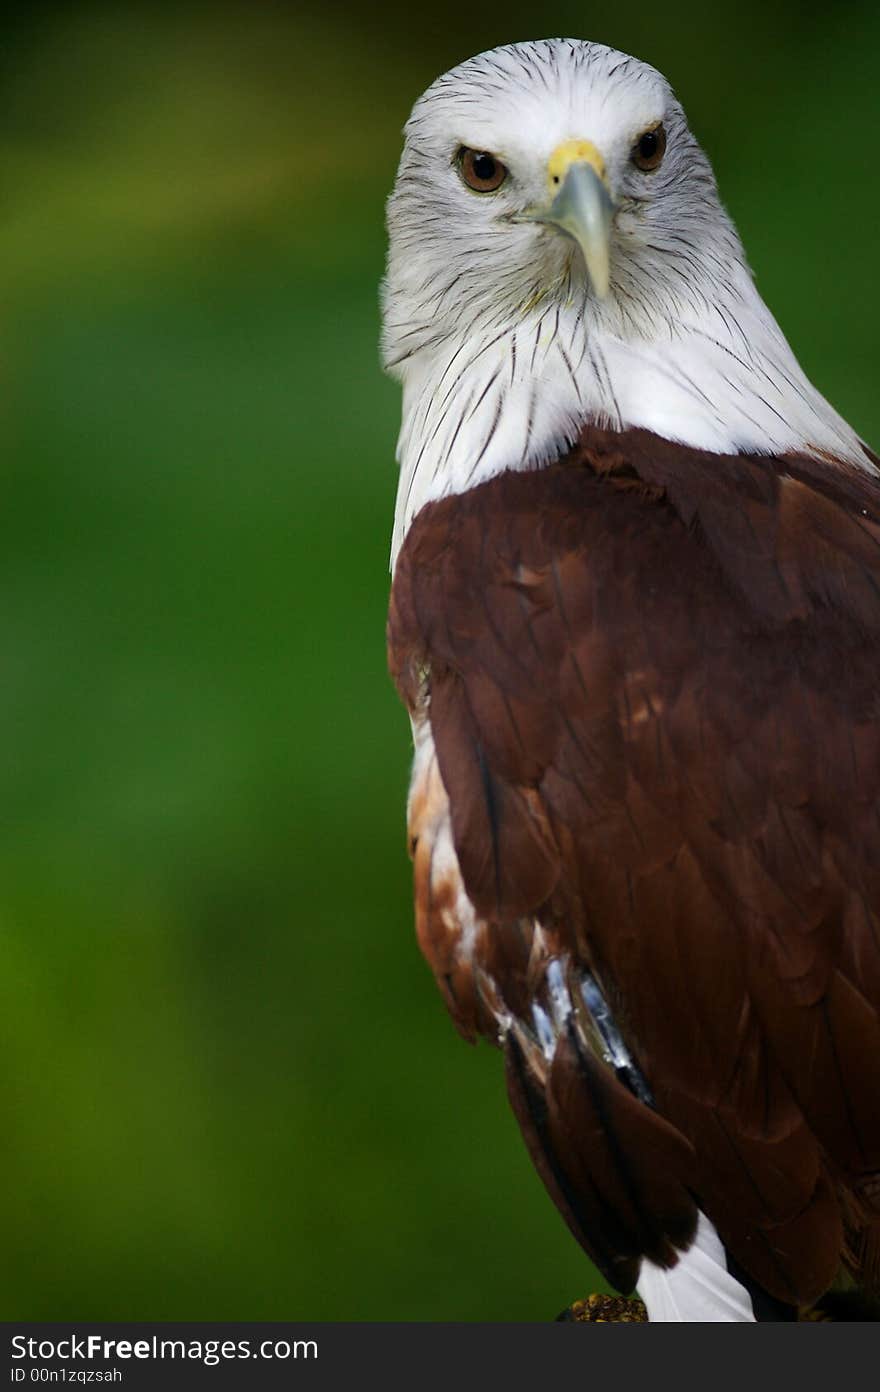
(607, 1309)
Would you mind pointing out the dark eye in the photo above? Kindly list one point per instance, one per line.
(480, 170)
(650, 148)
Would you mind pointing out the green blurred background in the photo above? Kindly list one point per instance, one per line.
(228, 1087)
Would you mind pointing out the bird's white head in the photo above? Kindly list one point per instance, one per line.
(545, 171)
(558, 253)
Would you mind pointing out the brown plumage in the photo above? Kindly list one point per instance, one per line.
(644, 684)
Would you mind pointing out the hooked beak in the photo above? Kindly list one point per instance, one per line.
(581, 205)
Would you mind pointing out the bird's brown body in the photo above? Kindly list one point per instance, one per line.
(645, 685)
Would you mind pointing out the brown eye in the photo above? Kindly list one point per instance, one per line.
(650, 148)
(481, 171)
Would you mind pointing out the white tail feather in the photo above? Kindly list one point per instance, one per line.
(699, 1289)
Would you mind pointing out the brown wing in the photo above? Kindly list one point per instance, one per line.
(646, 688)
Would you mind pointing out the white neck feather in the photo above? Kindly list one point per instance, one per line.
(491, 397)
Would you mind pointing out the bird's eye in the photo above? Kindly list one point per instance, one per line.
(481, 171)
(650, 148)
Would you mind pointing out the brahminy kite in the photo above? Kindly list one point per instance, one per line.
(635, 618)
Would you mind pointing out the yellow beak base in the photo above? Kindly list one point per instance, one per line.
(569, 153)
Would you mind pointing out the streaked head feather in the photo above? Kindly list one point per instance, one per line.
(491, 326)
